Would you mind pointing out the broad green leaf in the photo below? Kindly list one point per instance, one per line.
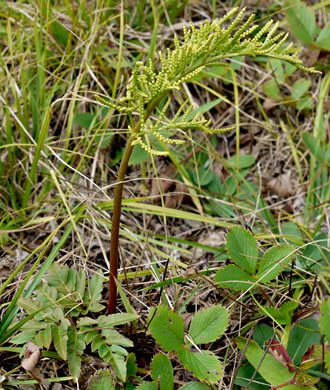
(111, 336)
(167, 328)
(138, 155)
(76, 347)
(131, 365)
(207, 325)
(60, 32)
(233, 277)
(325, 319)
(44, 337)
(268, 367)
(300, 87)
(23, 337)
(94, 293)
(204, 365)
(116, 319)
(194, 386)
(202, 177)
(86, 321)
(303, 335)
(207, 106)
(301, 20)
(262, 333)
(244, 375)
(273, 261)
(30, 305)
(276, 68)
(272, 90)
(245, 161)
(162, 371)
(242, 249)
(84, 119)
(60, 338)
(102, 380)
(323, 40)
(119, 365)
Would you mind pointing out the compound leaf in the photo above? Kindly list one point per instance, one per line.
(242, 249)
(207, 325)
(167, 328)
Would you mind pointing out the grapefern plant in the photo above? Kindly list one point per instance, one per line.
(58, 316)
(151, 90)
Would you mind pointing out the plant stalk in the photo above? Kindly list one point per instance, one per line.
(117, 201)
(115, 225)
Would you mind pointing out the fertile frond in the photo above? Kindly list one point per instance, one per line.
(209, 44)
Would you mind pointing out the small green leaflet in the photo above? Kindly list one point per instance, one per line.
(162, 371)
(207, 325)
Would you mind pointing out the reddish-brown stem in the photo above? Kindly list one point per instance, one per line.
(115, 226)
(117, 201)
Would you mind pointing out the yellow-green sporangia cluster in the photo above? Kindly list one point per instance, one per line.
(207, 45)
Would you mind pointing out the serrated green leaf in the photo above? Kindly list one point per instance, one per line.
(167, 328)
(207, 325)
(242, 249)
(301, 20)
(44, 337)
(138, 156)
(111, 336)
(233, 277)
(86, 321)
(90, 336)
(204, 365)
(116, 319)
(162, 371)
(29, 305)
(273, 261)
(60, 338)
(46, 294)
(325, 319)
(194, 386)
(23, 337)
(94, 293)
(97, 342)
(119, 365)
(102, 380)
(81, 283)
(76, 347)
(71, 279)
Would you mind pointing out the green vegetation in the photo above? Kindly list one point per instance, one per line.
(184, 162)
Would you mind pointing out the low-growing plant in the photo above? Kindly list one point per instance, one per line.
(152, 89)
(58, 309)
(250, 270)
(167, 327)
